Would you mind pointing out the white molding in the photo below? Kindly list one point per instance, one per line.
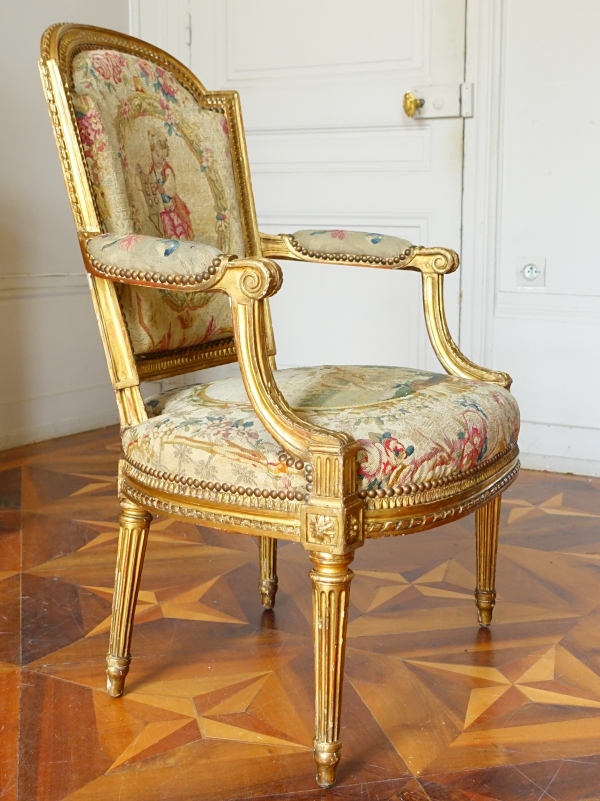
(380, 148)
(548, 307)
(14, 287)
(550, 446)
(560, 464)
(481, 178)
(43, 417)
(237, 73)
(163, 23)
(135, 10)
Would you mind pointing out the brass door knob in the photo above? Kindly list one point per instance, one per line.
(412, 104)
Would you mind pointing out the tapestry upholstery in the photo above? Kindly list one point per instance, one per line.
(196, 312)
(139, 252)
(161, 166)
(413, 426)
(357, 243)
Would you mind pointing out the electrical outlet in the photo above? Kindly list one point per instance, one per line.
(531, 272)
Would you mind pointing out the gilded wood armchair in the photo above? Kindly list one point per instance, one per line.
(157, 175)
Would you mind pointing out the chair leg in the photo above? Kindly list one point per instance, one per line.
(267, 582)
(487, 521)
(133, 536)
(331, 579)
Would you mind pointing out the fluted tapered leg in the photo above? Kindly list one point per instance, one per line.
(267, 582)
(133, 536)
(487, 522)
(331, 593)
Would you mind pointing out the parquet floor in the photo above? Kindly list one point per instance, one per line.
(219, 698)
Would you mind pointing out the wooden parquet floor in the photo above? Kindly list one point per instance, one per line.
(218, 703)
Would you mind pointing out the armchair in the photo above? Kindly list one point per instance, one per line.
(157, 175)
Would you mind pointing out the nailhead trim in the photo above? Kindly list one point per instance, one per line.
(349, 257)
(154, 278)
(298, 495)
(216, 486)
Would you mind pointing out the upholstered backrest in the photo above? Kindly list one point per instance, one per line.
(160, 164)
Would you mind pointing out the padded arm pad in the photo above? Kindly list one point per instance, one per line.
(351, 246)
(151, 261)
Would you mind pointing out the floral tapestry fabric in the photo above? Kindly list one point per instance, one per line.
(357, 243)
(412, 426)
(139, 252)
(160, 166)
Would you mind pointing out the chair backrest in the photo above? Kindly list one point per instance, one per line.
(155, 154)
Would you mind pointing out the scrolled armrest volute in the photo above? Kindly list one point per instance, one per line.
(433, 261)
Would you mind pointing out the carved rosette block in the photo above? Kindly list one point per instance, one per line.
(331, 579)
(133, 536)
(337, 528)
(487, 522)
(267, 582)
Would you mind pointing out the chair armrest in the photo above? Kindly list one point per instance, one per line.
(151, 261)
(349, 247)
(390, 253)
(192, 266)
(358, 249)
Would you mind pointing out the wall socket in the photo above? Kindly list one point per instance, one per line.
(531, 272)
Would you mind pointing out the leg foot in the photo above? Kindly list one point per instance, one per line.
(487, 521)
(133, 536)
(327, 756)
(116, 669)
(267, 582)
(331, 579)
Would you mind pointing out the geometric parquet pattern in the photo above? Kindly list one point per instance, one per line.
(219, 700)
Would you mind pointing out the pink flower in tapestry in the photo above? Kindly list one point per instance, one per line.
(166, 83)
(91, 128)
(109, 65)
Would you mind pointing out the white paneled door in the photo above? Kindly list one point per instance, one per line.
(321, 85)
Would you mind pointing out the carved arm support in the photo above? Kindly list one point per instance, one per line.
(432, 263)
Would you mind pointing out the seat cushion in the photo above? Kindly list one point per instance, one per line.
(412, 426)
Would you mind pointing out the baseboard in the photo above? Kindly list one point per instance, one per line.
(560, 448)
(31, 420)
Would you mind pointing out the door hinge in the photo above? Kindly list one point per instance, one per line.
(466, 100)
(441, 100)
(188, 30)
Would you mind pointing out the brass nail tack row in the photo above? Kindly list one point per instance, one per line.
(230, 516)
(155, 278)
(299, 465)
(217, 486)
(299, 495)
(320, 254)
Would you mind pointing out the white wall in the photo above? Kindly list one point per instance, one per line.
(532, 192)
(54, 377)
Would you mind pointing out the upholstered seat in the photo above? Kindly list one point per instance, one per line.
(159, 184)
(412, 427)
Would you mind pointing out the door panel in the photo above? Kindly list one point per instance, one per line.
(321, 85)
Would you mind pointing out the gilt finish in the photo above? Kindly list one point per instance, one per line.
(331, 520)
(267, 560)
(134, 524)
